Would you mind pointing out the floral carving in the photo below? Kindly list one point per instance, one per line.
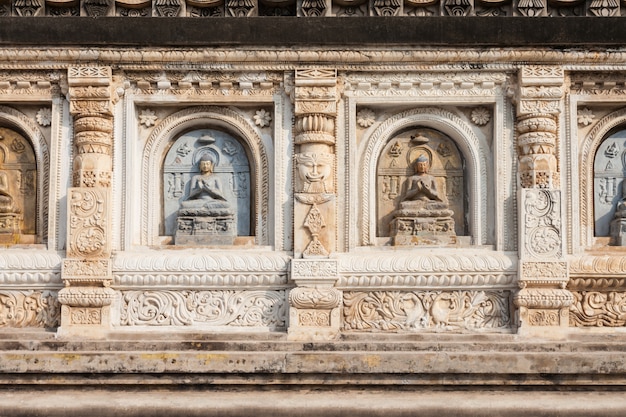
(446, 310)
(318, 298)
(598, 309)
(20, 308)
(262, 118)
(147, 118)
(543, 318)
(88, 222)
(480, 116)
(543, 223)
(585, 117)
(44, 116)
(365, 118)
(214, 308)
(86, 316)
(313, 269)
(314, 318)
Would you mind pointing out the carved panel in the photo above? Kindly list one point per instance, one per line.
(427, 310)
(212, 308)
(231, 171)
(22, 308)
(598, 309)
(89, 223)
(542, 223)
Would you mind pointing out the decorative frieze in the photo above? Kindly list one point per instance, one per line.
(598, 309)
(427, 310)
(227, 85)
(234, 308)
(29, 308)
(449, 83)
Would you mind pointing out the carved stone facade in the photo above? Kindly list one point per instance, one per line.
(324, 199)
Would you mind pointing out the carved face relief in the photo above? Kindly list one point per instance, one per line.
(314, 172)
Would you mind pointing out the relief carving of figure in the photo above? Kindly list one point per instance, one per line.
(205, 192)
(206, 217)
(618, 224)
(7, 203)
(422, 185)
(314, 171)
(424, 218)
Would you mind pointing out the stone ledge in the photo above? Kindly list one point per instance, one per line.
(426, 360)
(34, 402)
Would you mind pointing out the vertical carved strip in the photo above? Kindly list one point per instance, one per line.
(86, 273)
(315, 303)
(542, 300)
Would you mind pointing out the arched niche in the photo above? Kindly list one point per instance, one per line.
(592, 197)
(231, 170)
(609, 171)
(396, 164)
(25, 164)
(226, 121)
(474, 152)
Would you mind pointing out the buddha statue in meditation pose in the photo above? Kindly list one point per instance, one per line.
(205, 217)
(424, 217)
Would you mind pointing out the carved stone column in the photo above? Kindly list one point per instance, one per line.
(86, 273)
(314, 303)
(543, 301)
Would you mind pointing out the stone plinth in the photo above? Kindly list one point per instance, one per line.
(9, 226)
(420, 223)
(205, 230)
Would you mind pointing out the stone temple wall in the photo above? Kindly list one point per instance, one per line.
(244, 216)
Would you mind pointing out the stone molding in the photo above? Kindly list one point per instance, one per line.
(201, 117)
(35, 268)
(474, 149)
(427, 270)
(241, 85)
(431, 84)
(400, 59)
(172, 269)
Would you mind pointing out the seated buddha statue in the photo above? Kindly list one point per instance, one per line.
(205, 193)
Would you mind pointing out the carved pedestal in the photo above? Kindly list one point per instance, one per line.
(543, 300)
(86, 300)
(422, 231)
(205, 230)
(314, 306)
(9, 227)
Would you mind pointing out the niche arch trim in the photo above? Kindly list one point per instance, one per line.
(13, 119)
(200, 117)
(473, 149)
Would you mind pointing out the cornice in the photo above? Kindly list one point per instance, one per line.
(344, 58)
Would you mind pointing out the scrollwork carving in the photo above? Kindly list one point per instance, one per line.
(542, 223)
(444, 310)
(598, 309)
(314, 298)
(88, 223)
(22, 308)
(214, 308)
